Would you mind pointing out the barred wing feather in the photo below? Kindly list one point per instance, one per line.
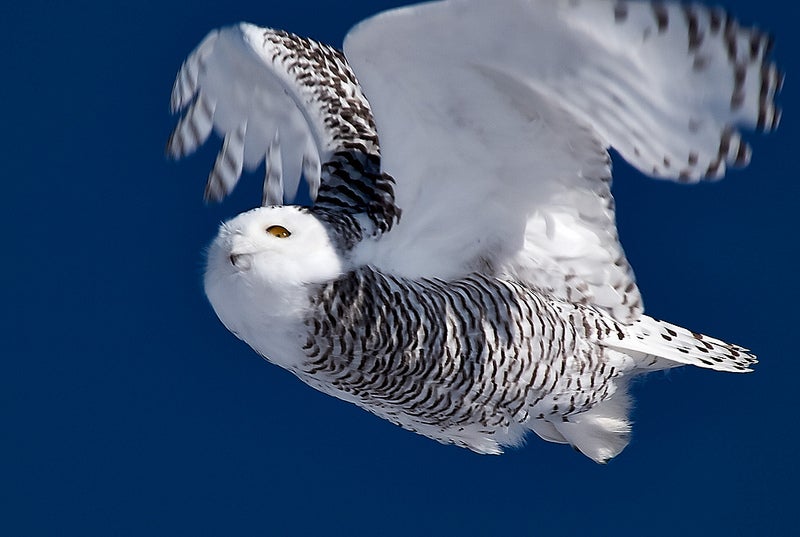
(271, 96)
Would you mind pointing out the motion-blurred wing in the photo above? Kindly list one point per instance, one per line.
(495, 117)
(285, 99)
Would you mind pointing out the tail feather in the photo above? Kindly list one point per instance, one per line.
(656, 339)
(603, 431)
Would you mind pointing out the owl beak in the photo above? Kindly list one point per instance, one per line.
(240, 251)
(240, 261)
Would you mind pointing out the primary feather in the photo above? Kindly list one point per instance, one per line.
(463, 277)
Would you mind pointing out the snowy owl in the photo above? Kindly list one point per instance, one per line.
(459, 272)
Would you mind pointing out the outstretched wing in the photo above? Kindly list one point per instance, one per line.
(291, 101)
(495, 117)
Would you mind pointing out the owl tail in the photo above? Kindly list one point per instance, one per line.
(660, 345)
(603, 432)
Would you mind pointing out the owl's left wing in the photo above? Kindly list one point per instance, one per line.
(494, 119)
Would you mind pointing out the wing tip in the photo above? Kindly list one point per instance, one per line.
(185, 86)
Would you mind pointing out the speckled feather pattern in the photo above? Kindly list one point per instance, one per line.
(351, 180)
(755, 80)
(319, 78)
(472, 361)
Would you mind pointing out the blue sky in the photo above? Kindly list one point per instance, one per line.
(127, 409)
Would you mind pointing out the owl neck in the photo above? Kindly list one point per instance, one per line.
(269, 318)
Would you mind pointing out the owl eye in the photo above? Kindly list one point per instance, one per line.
(279, 231)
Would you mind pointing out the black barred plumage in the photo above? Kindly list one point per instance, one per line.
(354, 184)
(478, 360)
(441, 357)
(352, 179)
(344, 107)
(349, 179)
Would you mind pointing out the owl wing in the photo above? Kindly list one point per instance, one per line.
(290, 101)
(495, 117)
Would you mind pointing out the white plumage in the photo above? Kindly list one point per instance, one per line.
(459, 273)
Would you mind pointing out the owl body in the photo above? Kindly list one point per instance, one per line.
(459, 272)
(475, 361)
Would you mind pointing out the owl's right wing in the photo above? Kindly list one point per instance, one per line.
(495, 117)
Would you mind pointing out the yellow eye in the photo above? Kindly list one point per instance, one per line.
(279, 231)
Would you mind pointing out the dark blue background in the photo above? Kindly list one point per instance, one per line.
(127, 409)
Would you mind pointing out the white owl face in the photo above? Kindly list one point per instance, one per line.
(278, 246)
(257, 276)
